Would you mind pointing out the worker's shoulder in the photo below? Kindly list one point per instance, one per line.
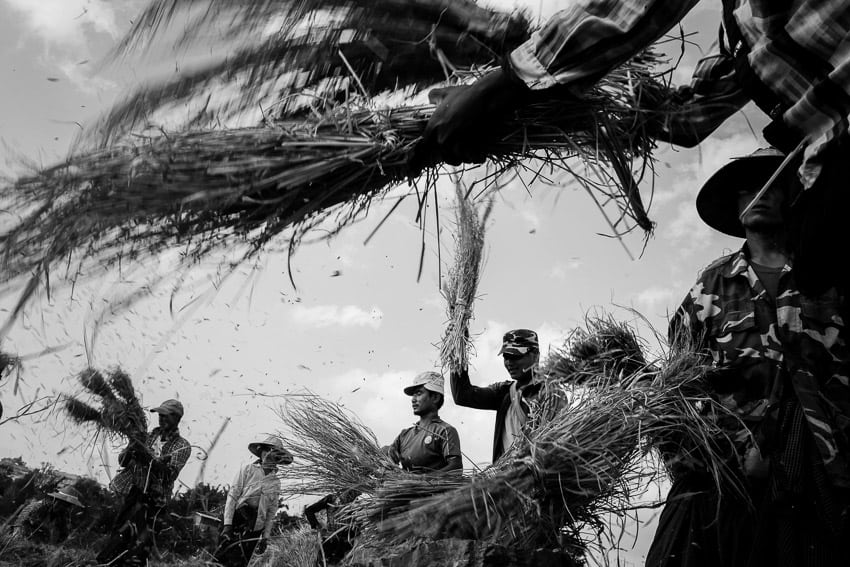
(718, 266)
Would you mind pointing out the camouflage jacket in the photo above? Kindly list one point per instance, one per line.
(765, 348)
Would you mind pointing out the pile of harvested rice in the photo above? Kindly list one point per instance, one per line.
(582, 451)
(592, 423)
(120, 412)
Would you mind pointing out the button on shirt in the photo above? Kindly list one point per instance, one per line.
(427, 446)
(253, 487)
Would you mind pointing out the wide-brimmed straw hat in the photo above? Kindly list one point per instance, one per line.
(274, 443)
(717, 200)
(69, 494)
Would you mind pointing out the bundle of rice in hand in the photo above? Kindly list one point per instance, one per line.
(583, 447)
(603, 348)
(336, 454)
(206, 189)
(119, 413)
(461, 284)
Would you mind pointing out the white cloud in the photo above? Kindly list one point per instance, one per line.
(337, 316)
(560, 270)
(66, 22)
(657, 300)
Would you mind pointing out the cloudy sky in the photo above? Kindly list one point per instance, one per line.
(358, 326)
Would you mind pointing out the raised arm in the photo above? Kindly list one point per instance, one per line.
(588, 38)
(576, 47)
(465, 394)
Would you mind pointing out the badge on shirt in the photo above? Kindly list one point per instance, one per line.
(428, 439)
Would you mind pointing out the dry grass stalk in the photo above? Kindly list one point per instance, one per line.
(579, 456)
(334, 452)
(461, 286)
(120, 412)
(203, 190)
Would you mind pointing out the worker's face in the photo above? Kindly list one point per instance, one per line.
(422, 401)
(518, 365)
(767, 214)
(168, 421)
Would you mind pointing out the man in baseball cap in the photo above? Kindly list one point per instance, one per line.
(151, 467)
(781, 362)
(431, 445)
(521, 353)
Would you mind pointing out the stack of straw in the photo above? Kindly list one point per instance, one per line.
(120, 411)
(581, 452)
(461, 284)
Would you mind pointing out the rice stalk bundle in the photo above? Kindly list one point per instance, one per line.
(320, 50)
(602, 348)
(116, 410)
(203, 190)
(334, 452)
(461, 284)
(578, 457)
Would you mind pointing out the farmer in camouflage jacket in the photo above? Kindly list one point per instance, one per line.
(782, 367)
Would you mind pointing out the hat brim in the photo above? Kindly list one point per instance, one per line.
(410, 389)
(66, 498)
(717, 200)
(284, 457)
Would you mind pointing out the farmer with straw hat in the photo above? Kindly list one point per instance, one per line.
(49, 520)
(430, 445)
(151, 467)
(521, 354)
(781, 367)
(252, 503)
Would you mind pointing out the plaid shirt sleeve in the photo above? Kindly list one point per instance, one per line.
(695, 111)
(180, 450)
(584, 41)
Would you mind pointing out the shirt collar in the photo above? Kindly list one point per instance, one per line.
(739, 264)
(175, 433)
(430, 420)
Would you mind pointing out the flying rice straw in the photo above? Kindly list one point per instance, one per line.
(461, 284)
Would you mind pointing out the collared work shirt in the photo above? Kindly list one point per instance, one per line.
(146, 477)
(254, 488)
(799, 49)
(764, 347)
(427, 446)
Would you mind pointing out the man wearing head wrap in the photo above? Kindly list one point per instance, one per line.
(431, 445)
(252, 503)
(782, 370)
(521, 353)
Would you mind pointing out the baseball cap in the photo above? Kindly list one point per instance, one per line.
(432, 381)
(519, 342)
(167, 407)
